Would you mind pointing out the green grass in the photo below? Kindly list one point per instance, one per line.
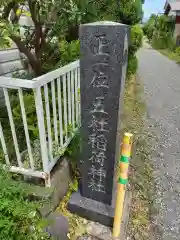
(166, 52)
(170, 54)
(141, 180)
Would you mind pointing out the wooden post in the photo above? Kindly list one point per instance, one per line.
(123, 179)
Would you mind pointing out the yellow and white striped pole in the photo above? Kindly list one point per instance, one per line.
(123, 180)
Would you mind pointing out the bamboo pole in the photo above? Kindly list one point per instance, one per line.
(123, 179)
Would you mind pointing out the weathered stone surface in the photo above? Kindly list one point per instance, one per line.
(87, 238)
(60, 182)
(103, 63)
(101, 232)
(105, 233)
(60, 178)
(58, 226)
(91, 209)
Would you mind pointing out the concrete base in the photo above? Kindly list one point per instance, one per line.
(60, 178)
(101, 215)
(91, 209)
(105, 233)
(58, 226)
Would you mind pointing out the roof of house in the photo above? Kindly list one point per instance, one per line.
(171, 7)
(175, 6)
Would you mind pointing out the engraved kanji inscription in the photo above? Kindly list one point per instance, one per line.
(100, 80)
(102, 45)
(98, 124)
(98, 105)
(97, 187)
(97, 177)
(98, 157)
(98, 142)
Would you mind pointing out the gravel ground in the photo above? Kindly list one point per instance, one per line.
(161, 78)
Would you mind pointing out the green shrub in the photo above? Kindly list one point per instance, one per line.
(72, 152)
(177, 51)
(148, 30)
(163, 40)
(136, 39)
(150, 33)
(160, 29)
(132, 65)
(30, 108)
(19, 219)
(31, 116)
(61, 54)
(159, 42)
(149, 26)
(69, 52)
(171, 43)
(135, 44)
(130, 12)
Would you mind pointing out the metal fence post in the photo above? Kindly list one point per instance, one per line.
(42, 134)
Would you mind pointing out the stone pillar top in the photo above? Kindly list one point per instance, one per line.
(108, 23)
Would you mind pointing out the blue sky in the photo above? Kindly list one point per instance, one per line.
(153, 6)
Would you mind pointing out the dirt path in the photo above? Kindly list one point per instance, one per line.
(161, 78)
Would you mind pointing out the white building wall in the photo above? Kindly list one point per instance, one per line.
(177, 30)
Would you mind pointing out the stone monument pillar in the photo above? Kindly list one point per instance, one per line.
(103, 63)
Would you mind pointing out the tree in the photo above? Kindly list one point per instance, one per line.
(55, 21)
(51, 21)
(130, 12)
(161, 26)
(149, 26)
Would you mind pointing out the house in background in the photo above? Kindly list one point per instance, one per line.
(11, 60)
(172, 9)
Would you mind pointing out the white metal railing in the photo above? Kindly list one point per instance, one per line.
(57, 115)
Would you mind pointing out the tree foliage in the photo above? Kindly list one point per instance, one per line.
(54, 21)
(135, 44)
(19, 219)
(149, 26)
(159, 30)
(130, 12)
(136, 38)
(160, 25)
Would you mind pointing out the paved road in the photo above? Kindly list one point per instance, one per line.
(161, 78)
